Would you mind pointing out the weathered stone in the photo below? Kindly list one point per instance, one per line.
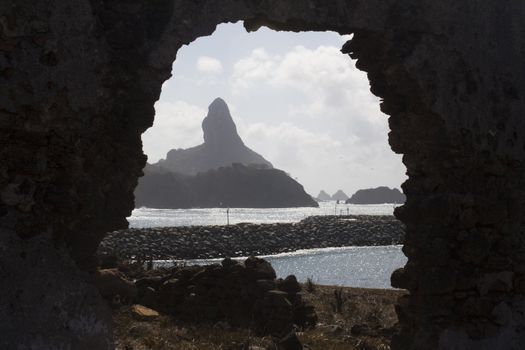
(290, 285)
(290, 342)
(496, 282)
(259, 268)
(110, 282)
(143, 313)
(450, 75)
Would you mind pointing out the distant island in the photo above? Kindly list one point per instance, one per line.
(338, 196)
(221, 172)
(323, 196)
(377, 195)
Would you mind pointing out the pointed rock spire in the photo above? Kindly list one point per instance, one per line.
(218, 126)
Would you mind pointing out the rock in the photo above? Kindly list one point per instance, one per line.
(496, 282)
(398, 279)
(149, 282)
(266, 285)
(377, 195)
(259, 268)
(339, 196)
(148, 297)
(330, 329)
(279, 299)
(228, 263)
(323, 196)
(111, 282)
(362, 330)
(143, 313)
(71, 123)
(290, 342)
(290, 285)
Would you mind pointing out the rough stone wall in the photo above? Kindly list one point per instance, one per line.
(78, 80)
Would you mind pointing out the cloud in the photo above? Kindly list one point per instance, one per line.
(334, 129)
(318, 160)
(177, 125)
(307, 109)
(331, 87)
(209, 65)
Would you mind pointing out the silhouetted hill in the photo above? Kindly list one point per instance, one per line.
(377, 195)
(222, 146)
(323, 196)
(339, 196)
(236, 186)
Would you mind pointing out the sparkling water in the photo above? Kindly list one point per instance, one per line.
(146, 217)
(364, 267)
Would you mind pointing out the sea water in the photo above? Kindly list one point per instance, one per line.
(147, 217)
(364, 267)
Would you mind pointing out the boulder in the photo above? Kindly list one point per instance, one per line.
(290, 342)
(141, 312)
(111, 282)
(259, 269)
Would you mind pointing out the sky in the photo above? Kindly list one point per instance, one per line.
(296, 100)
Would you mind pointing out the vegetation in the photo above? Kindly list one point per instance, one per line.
(366, 320)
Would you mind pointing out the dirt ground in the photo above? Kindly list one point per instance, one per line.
(349, 318)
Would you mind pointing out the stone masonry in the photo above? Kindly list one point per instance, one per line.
(78, 80)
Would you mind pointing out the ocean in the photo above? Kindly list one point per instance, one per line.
(147, 217)
(365, 267)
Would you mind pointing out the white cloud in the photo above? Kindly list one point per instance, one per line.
(209, 65)
(331, 87)
(334, 129)
(177, 125)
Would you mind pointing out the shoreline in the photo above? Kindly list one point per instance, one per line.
(220, 306)
(246, 239)
(299, 252)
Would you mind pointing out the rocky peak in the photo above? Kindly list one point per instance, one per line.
(222, 146)
(218, 126)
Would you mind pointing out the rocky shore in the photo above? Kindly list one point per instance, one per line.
(201, 242)
(241, 305)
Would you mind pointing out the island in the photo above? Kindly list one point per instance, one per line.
(379, 195)
(221, 172)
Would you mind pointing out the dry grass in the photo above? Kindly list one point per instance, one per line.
(371, 311)
(364, 322)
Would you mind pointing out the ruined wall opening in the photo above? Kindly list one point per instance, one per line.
(312, 107)
(82, 77)
(296, 100)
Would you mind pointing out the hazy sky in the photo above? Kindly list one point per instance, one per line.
(296, 100)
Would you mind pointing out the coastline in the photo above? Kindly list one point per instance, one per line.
(245, 239)
(367, 321)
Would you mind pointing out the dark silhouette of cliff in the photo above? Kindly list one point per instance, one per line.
(236, 186)
(377, 195)
(222, 146)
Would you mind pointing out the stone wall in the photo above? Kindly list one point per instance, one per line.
(78, 80)
(242, 294)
